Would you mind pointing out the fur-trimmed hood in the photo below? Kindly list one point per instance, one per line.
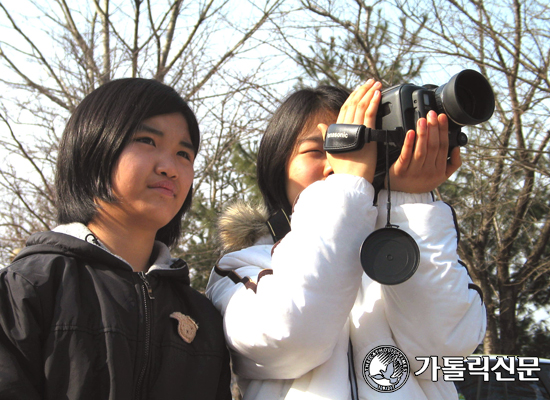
(241, 225)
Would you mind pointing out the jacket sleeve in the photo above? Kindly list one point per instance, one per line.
(290, 321)
(21, 369)
(438, 311)
(224, 385)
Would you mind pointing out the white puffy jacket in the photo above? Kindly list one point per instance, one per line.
(290, 310)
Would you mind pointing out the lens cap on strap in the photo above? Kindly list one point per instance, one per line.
(390, 256)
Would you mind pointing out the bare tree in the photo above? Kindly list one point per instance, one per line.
(52, 54)
(221, 181)
(502, 191)
(344, 43)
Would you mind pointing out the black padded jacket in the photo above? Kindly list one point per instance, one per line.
(76, 322)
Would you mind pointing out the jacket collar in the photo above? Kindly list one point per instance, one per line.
(81, 231)
(77, 240)
(242, 225)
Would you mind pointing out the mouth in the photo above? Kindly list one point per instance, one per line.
(166, 188)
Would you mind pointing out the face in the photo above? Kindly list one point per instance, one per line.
(153, 174)
(308, 162)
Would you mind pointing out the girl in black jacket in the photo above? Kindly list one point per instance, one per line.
(97, 308)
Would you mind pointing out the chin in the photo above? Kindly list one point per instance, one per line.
(155, 222)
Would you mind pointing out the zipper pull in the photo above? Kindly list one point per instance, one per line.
(147, 285)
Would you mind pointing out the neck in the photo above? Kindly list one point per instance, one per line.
(133, 245)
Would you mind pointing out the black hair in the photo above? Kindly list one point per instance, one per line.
(94, 137)
(277, 145)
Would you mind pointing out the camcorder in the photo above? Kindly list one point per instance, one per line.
(389, 255)
(467, 99)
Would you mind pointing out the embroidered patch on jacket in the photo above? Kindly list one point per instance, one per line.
(187, 328)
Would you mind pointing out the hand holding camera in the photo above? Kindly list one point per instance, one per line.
(359, 109)
(423, 164)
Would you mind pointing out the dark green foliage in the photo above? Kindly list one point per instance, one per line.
(200, 246)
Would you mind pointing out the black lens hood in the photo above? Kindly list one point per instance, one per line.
(467, 98)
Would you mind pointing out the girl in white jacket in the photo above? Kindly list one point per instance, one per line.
(301, 317)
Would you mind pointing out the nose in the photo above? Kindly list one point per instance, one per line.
(167, 167)
(328, 169)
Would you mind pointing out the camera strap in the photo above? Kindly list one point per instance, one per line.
(279, 225)
(389, 255)
(388, 204)
(341, 138)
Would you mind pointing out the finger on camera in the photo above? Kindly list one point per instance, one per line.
(347, 112)
(354, 109)
(454, 162)
(444, 131)
(406, 155)
(433, 139)
(364, 100)
(369, 117)
(443, 152)
(323, 128)
(421, 146)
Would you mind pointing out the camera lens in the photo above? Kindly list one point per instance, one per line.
(467, 98)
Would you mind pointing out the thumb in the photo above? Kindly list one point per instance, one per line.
(323, 128)
(454, 163)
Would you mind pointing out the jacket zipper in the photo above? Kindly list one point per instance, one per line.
(147, 294)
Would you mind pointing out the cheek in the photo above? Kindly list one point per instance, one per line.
(186, 181)
(300, 175)
(306, 170)
(130, 172)
(124, 176)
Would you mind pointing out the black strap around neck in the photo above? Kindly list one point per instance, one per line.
(279, 225)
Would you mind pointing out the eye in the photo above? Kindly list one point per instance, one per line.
(146, 140)
(314, 151)
(185, 154)
(311, 148)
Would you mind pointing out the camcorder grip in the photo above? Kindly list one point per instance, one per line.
(341, 138)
